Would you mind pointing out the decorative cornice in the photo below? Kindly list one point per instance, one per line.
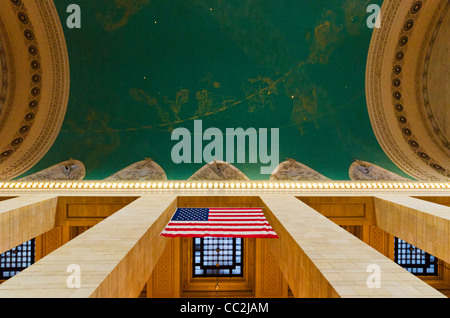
(8, 75)
(422, 84)
(223, 185)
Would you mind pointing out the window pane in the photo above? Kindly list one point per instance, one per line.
(415, 260)
(218, 257)
(17, 259)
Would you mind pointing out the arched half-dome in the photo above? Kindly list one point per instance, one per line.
(407, 86)
(219, 170)
(296, 171)
(34, 83)
(72, 170)
(145, 170)
(366, 171)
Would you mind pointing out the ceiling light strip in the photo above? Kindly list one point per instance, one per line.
(186, 185)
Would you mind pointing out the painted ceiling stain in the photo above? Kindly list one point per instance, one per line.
(142, 68)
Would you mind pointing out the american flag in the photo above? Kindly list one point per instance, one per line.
(219, 222)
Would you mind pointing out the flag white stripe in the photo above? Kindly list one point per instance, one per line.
(256, 222)
(235, 210)
(217, 232)
(267, 227)
(242, 214)
(235, 218)
(231, 212)
(221, 222)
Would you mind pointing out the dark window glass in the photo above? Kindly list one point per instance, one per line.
(16, 260)
(218, 257)
(415, 260)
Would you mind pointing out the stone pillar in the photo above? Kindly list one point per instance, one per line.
(24, 218)
(115, 258)
(423, 224)
(320, 259)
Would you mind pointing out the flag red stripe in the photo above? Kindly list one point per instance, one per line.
(218, 224)
(235, 209)
(222, 229)
(223, 222)
(220, 220)
(224, 235)
(236, 213)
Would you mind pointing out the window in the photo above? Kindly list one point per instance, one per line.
(218, 257)
(415, 260)
(16, 260)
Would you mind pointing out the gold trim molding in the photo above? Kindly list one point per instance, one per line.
(220, 185)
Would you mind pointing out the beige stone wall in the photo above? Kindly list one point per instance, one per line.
(326, 243)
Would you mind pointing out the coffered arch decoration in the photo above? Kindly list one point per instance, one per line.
(34, 90)
(407, 86)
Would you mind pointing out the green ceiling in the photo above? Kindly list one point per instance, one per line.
(140, 68)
